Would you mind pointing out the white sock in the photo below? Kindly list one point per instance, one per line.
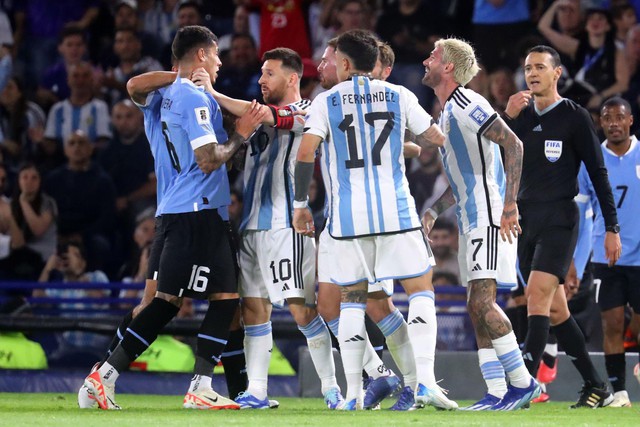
(319, 343)
(351, 335)
(373, 365)
(551, 349)
(258, 342)
(510, 357)
(108, 374)
(492, 372)
(423, 329)
(395, 330)
(198, 382)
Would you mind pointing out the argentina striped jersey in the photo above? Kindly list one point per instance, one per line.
(268, 175)
(472, 162)
(363, 123)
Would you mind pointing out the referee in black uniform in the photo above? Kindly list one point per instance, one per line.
(557, 135)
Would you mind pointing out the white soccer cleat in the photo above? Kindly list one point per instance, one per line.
(207, 398)
(104, 394)
(620, 400)
(85, 398)
(434, 396)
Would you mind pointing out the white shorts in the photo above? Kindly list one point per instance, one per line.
(374, 259)
(483, 255)
(277, 264)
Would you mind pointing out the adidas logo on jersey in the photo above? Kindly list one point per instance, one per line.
(355, 338)
(476, 268)
(285, 287)
(537, 128)
(417, 319)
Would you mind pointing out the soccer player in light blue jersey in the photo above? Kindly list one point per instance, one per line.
(195, 259)
(617, 285)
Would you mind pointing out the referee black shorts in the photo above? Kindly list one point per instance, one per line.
(549, 236)
(192, 255)
(616, 286)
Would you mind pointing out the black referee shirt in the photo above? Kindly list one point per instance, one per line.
(555, 142)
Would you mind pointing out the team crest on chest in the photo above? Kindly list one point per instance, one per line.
(552, 149)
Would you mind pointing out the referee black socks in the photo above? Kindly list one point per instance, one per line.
(571, 338)
(537, 334)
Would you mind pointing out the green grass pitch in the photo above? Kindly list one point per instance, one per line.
(53, 409)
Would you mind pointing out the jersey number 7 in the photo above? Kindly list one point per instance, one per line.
(352, 141)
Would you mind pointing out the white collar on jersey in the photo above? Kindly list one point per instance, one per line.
(186, 81)
(634, 142)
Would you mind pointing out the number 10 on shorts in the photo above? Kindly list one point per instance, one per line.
(198, 282)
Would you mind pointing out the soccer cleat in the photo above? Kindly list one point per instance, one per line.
(544, 397)
(516, 397)
(104, 394)
(593, 397)
(333, 399)
(86, 399)
(620, 400)
(273, 404)
(247, 400)
(484, 404)
(379, 389)
(406, 401)
(547, 375)
(352, 405)
(207, 398)
(434, 396)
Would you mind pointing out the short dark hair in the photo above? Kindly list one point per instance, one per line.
(290, 58)
(190, 3)
(541, 48)
(361, 46)
(247, 36)
(192, 37)
(618, 10)
(70, 31)
(386, 55)
(616, 101)
(333, 43)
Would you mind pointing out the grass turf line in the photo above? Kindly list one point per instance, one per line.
(54, 409)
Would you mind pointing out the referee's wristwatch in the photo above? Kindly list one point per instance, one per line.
(613, 228)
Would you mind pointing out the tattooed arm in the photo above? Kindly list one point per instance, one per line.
(444, 202)
(500, 133)
(433, 135)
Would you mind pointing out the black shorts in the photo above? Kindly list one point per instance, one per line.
(153, 264)
(193, 255)
(549, 236)
(616, 286)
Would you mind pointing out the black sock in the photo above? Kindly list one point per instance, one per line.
(548, 359)
(144, 329)
(616, 369)
(122, 328)
(235, 364)
(571, 338)
(537, 334)
(213, 334)
(375, 335)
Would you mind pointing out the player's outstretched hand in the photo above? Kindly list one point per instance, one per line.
(251, 119)
(509, 225)
(303, 222)
(427, 222)
(517, 102)
(200, 77)
(612, 247)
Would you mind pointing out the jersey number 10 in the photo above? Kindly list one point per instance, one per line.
(352, 141)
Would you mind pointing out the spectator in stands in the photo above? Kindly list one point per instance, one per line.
(128, 161)
(6, 66)
(39, 24)
(624, 18)
(72, 48)
(69, 265)
(310, 80)
(240, 26)
(11, 237)
(423, 172)
(126, 16)
(632, 53)
(130, 62)
(501, 86)
(159, 18)
(238, 78)
(85, 196)
(35, 214)
(21, 124)
(188, 13)
(480, 82)
(235, 212)
(600, 69)
(135, 269)
(337, 17)
(410, 27)
(497, 27)
(81, 111)
(443, 238)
